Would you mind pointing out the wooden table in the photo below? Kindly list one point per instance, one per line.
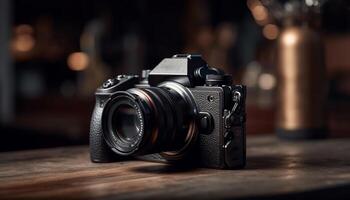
(275, 170)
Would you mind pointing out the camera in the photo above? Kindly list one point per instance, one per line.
(181, 112)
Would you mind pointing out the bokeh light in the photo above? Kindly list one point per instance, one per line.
(260, 14)
(23, 40)
(270, 31)
(290, 38)
(78, 61)
(267, 81)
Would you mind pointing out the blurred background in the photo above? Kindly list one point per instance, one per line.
(53, 55)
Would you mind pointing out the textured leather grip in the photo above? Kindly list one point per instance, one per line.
(99, 150)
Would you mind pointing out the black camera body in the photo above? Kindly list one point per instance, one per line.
(182, 111)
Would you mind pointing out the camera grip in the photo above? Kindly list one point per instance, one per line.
(99, 150)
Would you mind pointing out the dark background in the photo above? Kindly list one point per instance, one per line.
(55, 53)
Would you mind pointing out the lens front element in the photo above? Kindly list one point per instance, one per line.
(125, 122)
(122, 123)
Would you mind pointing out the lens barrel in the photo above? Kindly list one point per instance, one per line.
(142, 121)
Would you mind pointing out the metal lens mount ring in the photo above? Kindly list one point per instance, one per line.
(186, 94)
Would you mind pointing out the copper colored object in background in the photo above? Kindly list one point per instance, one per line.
(301, 111)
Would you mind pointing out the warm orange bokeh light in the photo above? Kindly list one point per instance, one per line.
(23, 43)
(270, 31)
(78, 61)
(260, 13)
(23, 40)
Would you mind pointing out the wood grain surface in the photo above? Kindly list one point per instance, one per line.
(275, 170)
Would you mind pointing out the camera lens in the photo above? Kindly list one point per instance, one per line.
(151, 120)
(122, 123)
(125, 122)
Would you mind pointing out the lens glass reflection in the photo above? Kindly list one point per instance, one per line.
(125, 122)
